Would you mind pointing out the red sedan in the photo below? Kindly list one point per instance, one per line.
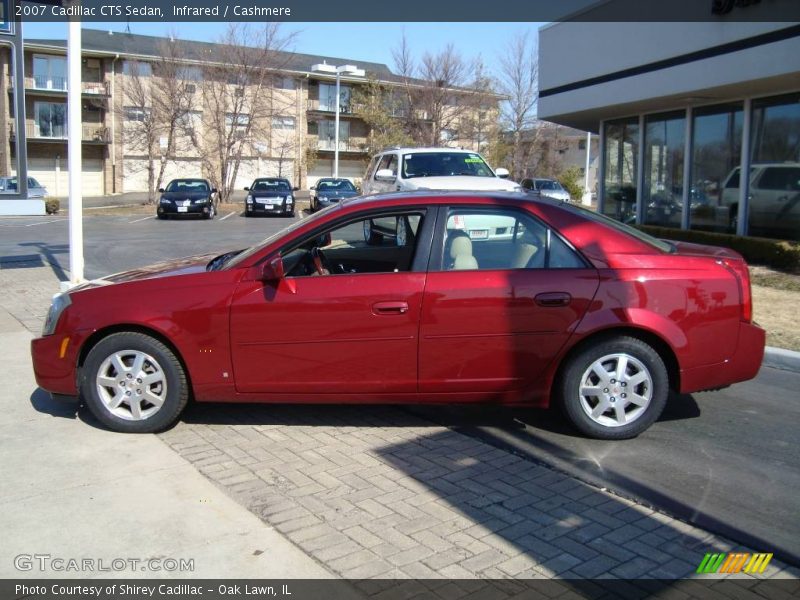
(424, 298)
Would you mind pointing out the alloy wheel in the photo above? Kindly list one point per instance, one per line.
(131, 385)
(616, 390)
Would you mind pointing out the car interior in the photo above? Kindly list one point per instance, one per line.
(346, 250)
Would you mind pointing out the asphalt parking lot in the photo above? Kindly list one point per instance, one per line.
(726, 461)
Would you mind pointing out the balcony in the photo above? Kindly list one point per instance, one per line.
(90, 133)
(352, 144)
(50, 85)
(325, 106)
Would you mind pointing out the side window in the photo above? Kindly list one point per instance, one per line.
(392, 166)
(382, 244)
(733, 180)
(383, 163)
(503, 239)
(780, 179)
(371, 168)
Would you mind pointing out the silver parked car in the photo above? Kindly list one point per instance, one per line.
(8, 185)
(546, 187)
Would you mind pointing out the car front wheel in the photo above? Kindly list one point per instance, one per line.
(133, 383)
(615, 388)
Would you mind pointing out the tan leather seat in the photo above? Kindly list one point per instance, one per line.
(523, 253)
(461, 254)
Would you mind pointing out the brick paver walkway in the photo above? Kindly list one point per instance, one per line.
(377, 492)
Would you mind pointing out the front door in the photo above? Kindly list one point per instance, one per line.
(503, 302)
(346, 323)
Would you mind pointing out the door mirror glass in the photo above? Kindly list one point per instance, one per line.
(161, 190)
(502, 173)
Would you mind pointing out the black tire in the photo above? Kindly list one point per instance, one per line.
(733, 219)
(573, 378)
(174, 398)
(162, 217)
(210, 214)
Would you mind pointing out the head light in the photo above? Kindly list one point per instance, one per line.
(289, 199)
(59, 304)
(249, 198)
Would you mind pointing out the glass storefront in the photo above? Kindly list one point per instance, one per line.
(664, 146)
(621, 154)
(716, 153)
(774, 209)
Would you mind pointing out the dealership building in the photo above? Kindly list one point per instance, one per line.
(699, 122)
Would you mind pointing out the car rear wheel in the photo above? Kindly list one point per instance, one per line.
(615, 388)
(133, 383)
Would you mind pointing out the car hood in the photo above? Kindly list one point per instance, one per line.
(180, 266)
(184, 195)
(462, 182)
(337, 194)
(270, 194)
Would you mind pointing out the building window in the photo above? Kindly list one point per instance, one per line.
(50, 72)
(50, 120)
(189, 121)
(135, 113)
(664, 147)
(327, 98)
(716, 152)
(285, 83)
(581, 144)
(237, 123)
(287, 123)
(137, 68)
(190, 73)
(327, 135)
(621, 153)
(775, 173)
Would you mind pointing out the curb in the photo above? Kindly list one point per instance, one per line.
(778, 358)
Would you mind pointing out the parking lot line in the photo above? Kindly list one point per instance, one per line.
(228, 215)
(44, 223)
(143, 219)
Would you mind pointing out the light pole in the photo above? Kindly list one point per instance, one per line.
(353, 71)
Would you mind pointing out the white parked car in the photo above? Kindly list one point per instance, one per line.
(411, 169)
(8, 185)
(774, 199)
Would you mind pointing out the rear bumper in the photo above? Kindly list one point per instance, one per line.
(743, 365)
(54, 373)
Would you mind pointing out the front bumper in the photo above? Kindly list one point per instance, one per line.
(54, 372)
(284, 208)
(192, 209)
(742, 365)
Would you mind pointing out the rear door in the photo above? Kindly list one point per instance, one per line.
(504, 293)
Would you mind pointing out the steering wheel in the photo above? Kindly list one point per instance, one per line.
(319, 261)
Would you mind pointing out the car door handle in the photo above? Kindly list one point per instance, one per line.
(390, 308)
(553, 299)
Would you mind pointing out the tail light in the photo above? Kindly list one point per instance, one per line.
(742, 273)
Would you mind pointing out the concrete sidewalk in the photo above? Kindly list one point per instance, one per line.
(73, 491)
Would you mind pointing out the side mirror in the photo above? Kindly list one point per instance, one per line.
(385, 175)
(161, 190)
(502, 173)
(296, 188)
(313, 187)
(247, 189)
(272, 270)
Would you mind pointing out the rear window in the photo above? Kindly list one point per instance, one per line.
(621, 227)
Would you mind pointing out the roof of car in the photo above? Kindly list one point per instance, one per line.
(446, 196)
(428, 149)
(271, 179)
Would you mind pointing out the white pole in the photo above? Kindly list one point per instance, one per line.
(74, 150)
(587, 193)
(336, 130)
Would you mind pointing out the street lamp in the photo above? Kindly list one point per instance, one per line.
(353, 71)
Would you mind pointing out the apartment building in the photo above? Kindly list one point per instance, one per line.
(294, 139)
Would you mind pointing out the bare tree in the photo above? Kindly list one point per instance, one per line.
(154, 107)
(385, 115)
(440, 90)
(240, 98)
(519, 84)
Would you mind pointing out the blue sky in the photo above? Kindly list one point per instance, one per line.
(359, 41)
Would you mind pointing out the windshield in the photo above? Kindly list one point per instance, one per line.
(546, 184)
(613, 223)
(238, 259)
(187, 185)
(444, 164)
(270, 185)
(342, 185)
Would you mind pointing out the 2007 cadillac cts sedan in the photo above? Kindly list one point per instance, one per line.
(414, 298)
